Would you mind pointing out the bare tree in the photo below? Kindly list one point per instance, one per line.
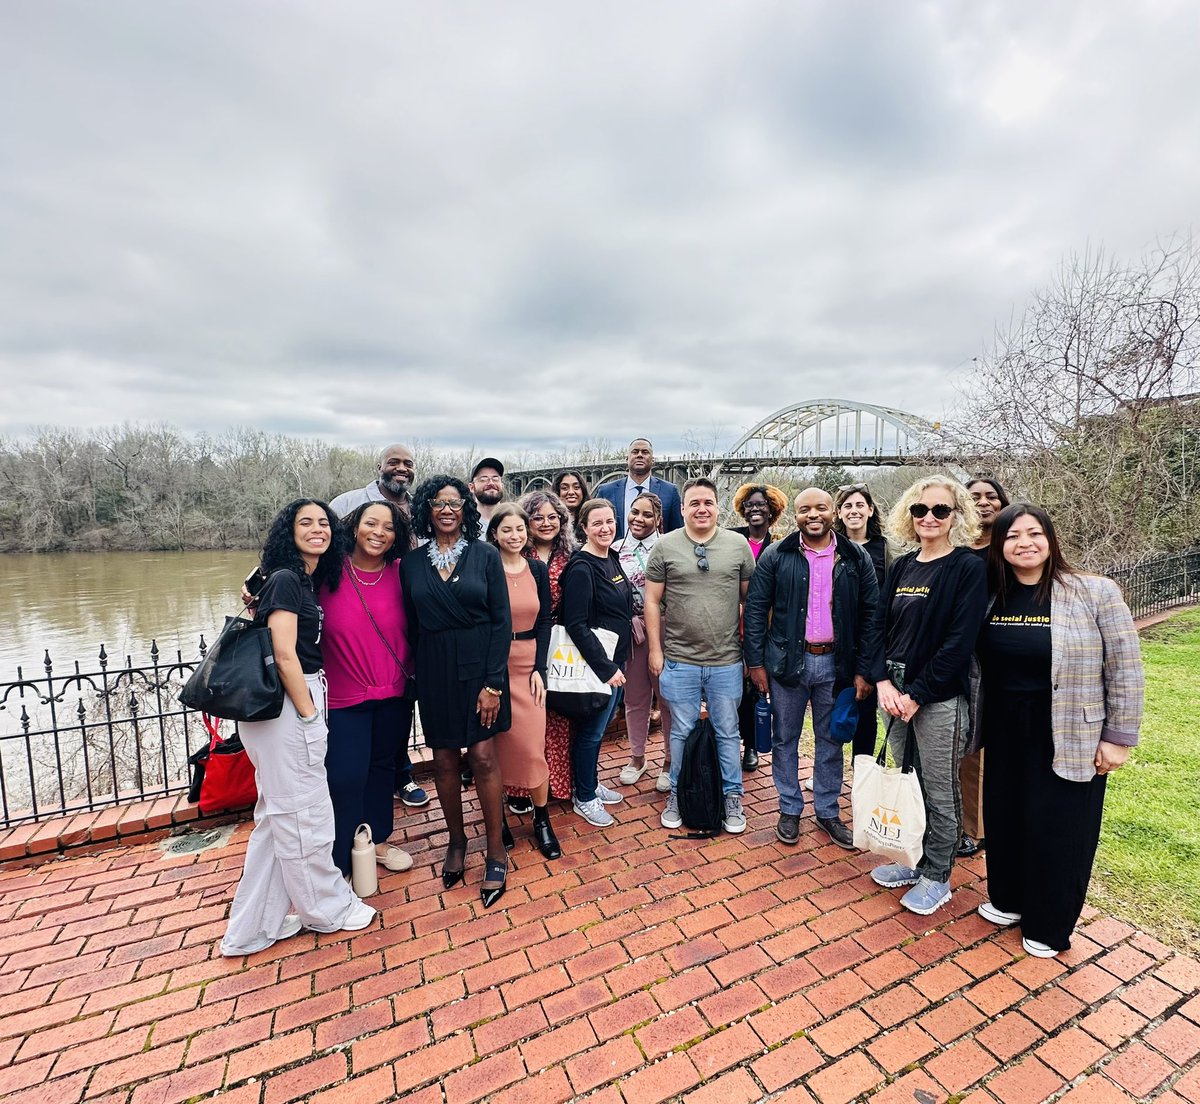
(1086, 403)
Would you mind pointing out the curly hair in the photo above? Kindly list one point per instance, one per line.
(279, 551)
(422, 506)
(874, 522)
(400, 525)
(507, 509)
(565, 541)
(777, 501)
(965, 530)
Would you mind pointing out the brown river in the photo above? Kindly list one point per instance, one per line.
(70, 603)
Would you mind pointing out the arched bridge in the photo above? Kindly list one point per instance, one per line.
(814, 433)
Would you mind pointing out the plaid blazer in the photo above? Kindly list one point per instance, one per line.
(1096, 673)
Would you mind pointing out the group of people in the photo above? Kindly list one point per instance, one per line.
(447, 594)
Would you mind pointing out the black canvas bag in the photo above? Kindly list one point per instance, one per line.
(237, 679)
(699, 791)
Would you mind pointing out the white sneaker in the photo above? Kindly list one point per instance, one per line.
(734, 820)
(1038, 950)
(291, 926)
(997, 916)
(670, 815)
(663, 785)
(607, 796)
(631, 774)
(359, 917)
(593, 812)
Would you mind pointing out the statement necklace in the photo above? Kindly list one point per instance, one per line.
(360, 579)
(443, 561)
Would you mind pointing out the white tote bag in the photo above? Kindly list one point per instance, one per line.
(572, 687)
(889, 812)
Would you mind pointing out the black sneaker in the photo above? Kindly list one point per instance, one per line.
(520, 805)
(968, 847)
(837, 831)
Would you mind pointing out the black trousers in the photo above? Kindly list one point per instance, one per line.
(750, 696)
(1042, 831)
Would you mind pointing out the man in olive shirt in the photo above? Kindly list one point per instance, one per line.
(696, 579)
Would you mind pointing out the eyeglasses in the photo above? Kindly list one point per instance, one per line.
(454, 504)
(544, 519)
(941, 511)
(701, 557)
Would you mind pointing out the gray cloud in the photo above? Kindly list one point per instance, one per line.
(538, 223)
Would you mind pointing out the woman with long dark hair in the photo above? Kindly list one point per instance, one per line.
(456, 599)
(289, 857)
(1061, 707)
(368, 663)
(521, 751)
(857, 519)
(551, 542)
(596, 595)
(572, 491)
(932, 606)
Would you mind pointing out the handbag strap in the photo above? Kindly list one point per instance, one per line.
(378, 631)
(910, 748)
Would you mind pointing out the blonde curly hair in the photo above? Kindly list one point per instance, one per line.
(965, 530)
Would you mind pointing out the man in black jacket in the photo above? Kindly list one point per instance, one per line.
(810, 630)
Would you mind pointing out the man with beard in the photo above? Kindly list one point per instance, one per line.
(397, 470)
(622, 492)
(487, 485)
(393, 484)
(810, 631)
(696, 578)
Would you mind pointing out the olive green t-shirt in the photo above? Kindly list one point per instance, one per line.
(700, 608)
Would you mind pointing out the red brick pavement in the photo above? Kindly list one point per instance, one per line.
(636, 969)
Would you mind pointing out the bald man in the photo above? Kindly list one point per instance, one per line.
(810, 631)
(397, 470)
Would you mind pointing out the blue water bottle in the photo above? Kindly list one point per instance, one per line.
(762, 725)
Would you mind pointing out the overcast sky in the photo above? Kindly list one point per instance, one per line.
(534, 223)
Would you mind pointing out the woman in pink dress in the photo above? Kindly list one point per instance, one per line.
(521, 751)
(552, 544)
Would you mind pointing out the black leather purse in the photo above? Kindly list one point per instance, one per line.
(237, 679)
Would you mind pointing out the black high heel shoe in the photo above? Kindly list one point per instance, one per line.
(493, 871)
(506, 837)
(543, 834)
(451, 878)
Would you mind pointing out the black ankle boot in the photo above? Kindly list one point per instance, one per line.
(543, 834)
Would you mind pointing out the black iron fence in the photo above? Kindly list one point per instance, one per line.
(1159, 583)
(110, 733)
(98, 735)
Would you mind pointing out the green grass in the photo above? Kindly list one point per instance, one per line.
(1148, 867)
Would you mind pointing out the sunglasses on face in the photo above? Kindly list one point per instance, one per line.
(941, 511)
(701, 557)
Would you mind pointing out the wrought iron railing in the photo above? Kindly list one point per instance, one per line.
(1159, 583)
(96, 736)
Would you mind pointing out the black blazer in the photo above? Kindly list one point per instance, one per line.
(545, 617)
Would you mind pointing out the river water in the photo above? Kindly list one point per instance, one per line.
(70, 603)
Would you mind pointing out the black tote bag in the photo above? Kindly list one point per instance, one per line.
(238, 679)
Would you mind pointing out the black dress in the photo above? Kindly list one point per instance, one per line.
(460, 629)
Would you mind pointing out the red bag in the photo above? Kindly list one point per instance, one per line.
(222, 774)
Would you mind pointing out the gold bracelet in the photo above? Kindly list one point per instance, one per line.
(494, 693)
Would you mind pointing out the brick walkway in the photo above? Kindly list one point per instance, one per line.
(636, 969)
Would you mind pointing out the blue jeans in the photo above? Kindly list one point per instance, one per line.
(682, 685)
(788, 704)
(585, 746)
(360, 765)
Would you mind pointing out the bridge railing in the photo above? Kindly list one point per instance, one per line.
(111, 733)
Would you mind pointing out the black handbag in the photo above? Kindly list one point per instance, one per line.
(237, 679)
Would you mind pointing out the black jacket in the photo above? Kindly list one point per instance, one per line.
(777, 605)
(937, 669)
(597, 595)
